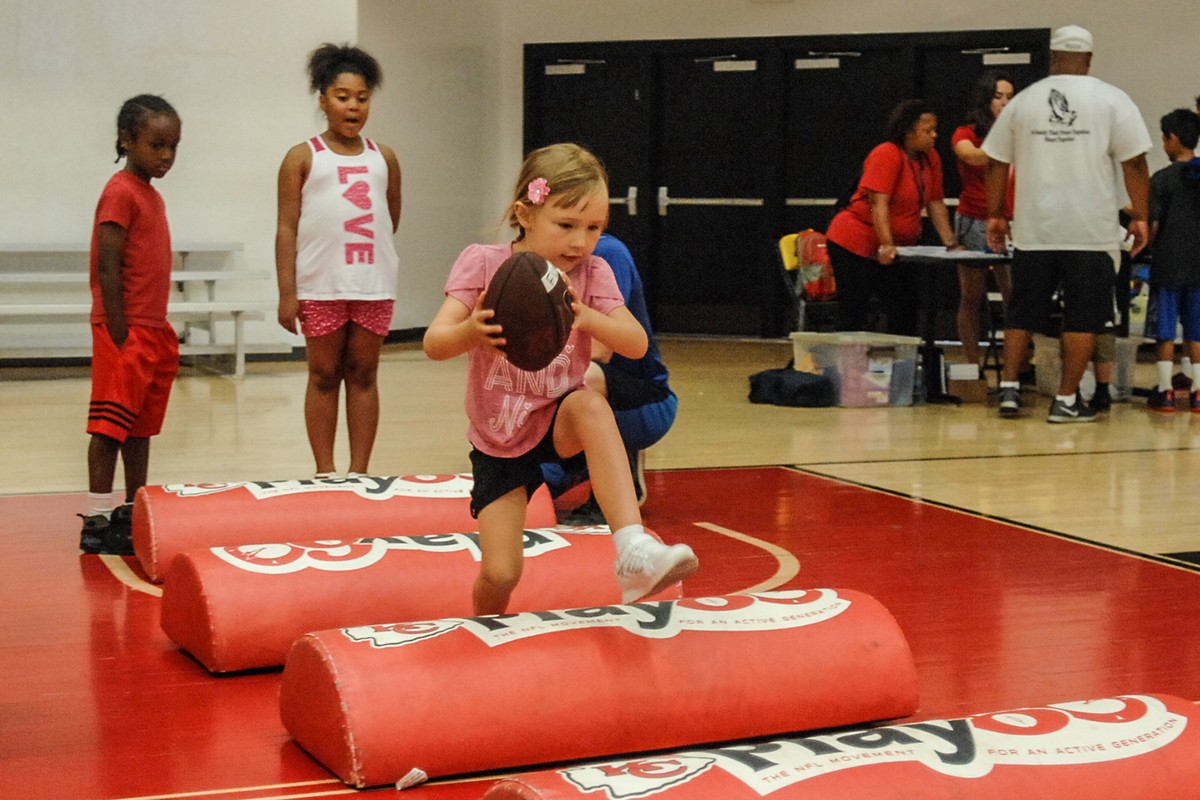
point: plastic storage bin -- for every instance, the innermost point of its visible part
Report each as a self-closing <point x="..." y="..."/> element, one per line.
<point x="866" y="369"/>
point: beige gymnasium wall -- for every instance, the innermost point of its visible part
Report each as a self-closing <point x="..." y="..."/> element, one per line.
<point x="234" y="69"/>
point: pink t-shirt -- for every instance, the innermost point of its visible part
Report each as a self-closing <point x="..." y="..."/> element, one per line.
<point x="509" y="409"/>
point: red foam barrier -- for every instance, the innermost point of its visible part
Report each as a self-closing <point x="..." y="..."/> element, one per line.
<point x="237" y="608"/>
<point x="1134" y="747"/>
<point x="400" y="703"/>
<point x="170" y="519"/>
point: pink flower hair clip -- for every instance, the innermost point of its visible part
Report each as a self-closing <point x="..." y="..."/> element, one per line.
<point x="539" y="190"/>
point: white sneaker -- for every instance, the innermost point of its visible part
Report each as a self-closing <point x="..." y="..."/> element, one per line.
<point x="648" y="566"/>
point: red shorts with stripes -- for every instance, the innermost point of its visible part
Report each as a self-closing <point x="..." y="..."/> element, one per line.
<point x="131" y="385"/>
<point x="323" y="317"/>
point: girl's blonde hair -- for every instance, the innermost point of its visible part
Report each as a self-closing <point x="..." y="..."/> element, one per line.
<point x="571" y="172"/>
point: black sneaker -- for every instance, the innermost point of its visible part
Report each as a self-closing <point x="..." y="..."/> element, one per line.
<point x="1180" y="381"/>
<point x="637" y="466"/>
<point x="588" y="514"/>
<point x="91" y="538"/>
<point x="1078" y="411"/>
<point x="1101" y="400"/>
<point x="1161" y="400"/>
<point x="118" y="540"/>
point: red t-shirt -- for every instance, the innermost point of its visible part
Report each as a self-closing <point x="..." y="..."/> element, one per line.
<point x="911" y="184"/>
<point x="972" y="200"/>
<point x="137" y="207"/>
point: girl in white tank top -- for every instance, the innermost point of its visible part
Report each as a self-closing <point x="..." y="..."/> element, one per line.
<point x="344" y="248"/>
<point x="339" y="205"/>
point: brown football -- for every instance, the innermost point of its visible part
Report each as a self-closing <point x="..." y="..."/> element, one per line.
<point x="533" y="306"/>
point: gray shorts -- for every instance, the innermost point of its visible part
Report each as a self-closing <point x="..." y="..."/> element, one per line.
<point x="971" y="233"/>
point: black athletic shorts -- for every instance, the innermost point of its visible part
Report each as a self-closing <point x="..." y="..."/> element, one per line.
<point x="1087" y="279"/>
<point x="495" y="476"/>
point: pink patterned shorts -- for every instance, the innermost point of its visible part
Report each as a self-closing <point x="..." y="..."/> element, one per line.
<point x="323" y="317"/>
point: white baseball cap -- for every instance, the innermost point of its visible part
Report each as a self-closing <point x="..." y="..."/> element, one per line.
<point x="1071" y="39"/>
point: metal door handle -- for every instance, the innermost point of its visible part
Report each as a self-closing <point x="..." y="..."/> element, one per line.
<point x="744" y="202"/>
<point x="810" y="201"/>
<point x="629" y="201"/>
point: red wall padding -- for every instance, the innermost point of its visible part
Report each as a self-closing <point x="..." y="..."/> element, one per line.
<point x="168" y="520"/>
<point x="1136" y="747"/>
<point x="390" y="703"/>
<point x="236" y="608"/>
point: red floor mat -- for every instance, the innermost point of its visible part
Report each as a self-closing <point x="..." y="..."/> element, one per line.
<point x="97" y="703"/>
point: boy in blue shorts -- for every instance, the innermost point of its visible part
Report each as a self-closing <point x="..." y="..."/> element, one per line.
<point x="1175" y="270"/>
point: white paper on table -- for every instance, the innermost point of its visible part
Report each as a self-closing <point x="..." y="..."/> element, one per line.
<point x="934" y="251"/>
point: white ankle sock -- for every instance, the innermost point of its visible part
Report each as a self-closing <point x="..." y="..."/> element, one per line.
<point x="100" y="504"/>
<point x="628" y="535"/>
<point x="1164" y="369"/>
<point x="1066" y="399"/>
<point x="1010" y="384"/>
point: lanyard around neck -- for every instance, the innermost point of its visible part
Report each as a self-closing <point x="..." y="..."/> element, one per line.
<point x="917" y="165"/>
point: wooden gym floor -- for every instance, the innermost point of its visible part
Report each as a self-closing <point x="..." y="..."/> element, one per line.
<point x="1027" y="563"/>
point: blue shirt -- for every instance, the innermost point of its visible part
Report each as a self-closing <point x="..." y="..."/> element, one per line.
<point x="649" y="367"/>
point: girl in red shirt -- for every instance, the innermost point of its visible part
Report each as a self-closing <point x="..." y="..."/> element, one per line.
<point x="989" y="96"/>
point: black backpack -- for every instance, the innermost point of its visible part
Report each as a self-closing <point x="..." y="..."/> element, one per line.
<point x="790" y="387"/>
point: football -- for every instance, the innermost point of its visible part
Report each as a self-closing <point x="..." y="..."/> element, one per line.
<point x="531" y="303"/>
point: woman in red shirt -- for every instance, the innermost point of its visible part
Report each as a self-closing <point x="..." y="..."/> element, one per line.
<point x="902" y="177"/>
<point x="988" y="98"/>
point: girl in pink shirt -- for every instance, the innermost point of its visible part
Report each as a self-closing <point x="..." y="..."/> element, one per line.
<point x="518" y="419"/>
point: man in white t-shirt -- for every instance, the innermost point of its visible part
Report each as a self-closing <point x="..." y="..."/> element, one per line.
<point x="1065" y="137"/>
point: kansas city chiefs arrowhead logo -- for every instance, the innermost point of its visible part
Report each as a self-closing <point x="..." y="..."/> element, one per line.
<point x="199" y="489"/>
<point x="638" y="778"/>
<point x="401" y="633"/>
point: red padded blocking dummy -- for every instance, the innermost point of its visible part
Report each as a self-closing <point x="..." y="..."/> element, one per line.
<point x="400" y="703"/>
<point x="236" y="608"/>
<point x="1122" y="748"/>
<point x="170" y="519"/>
